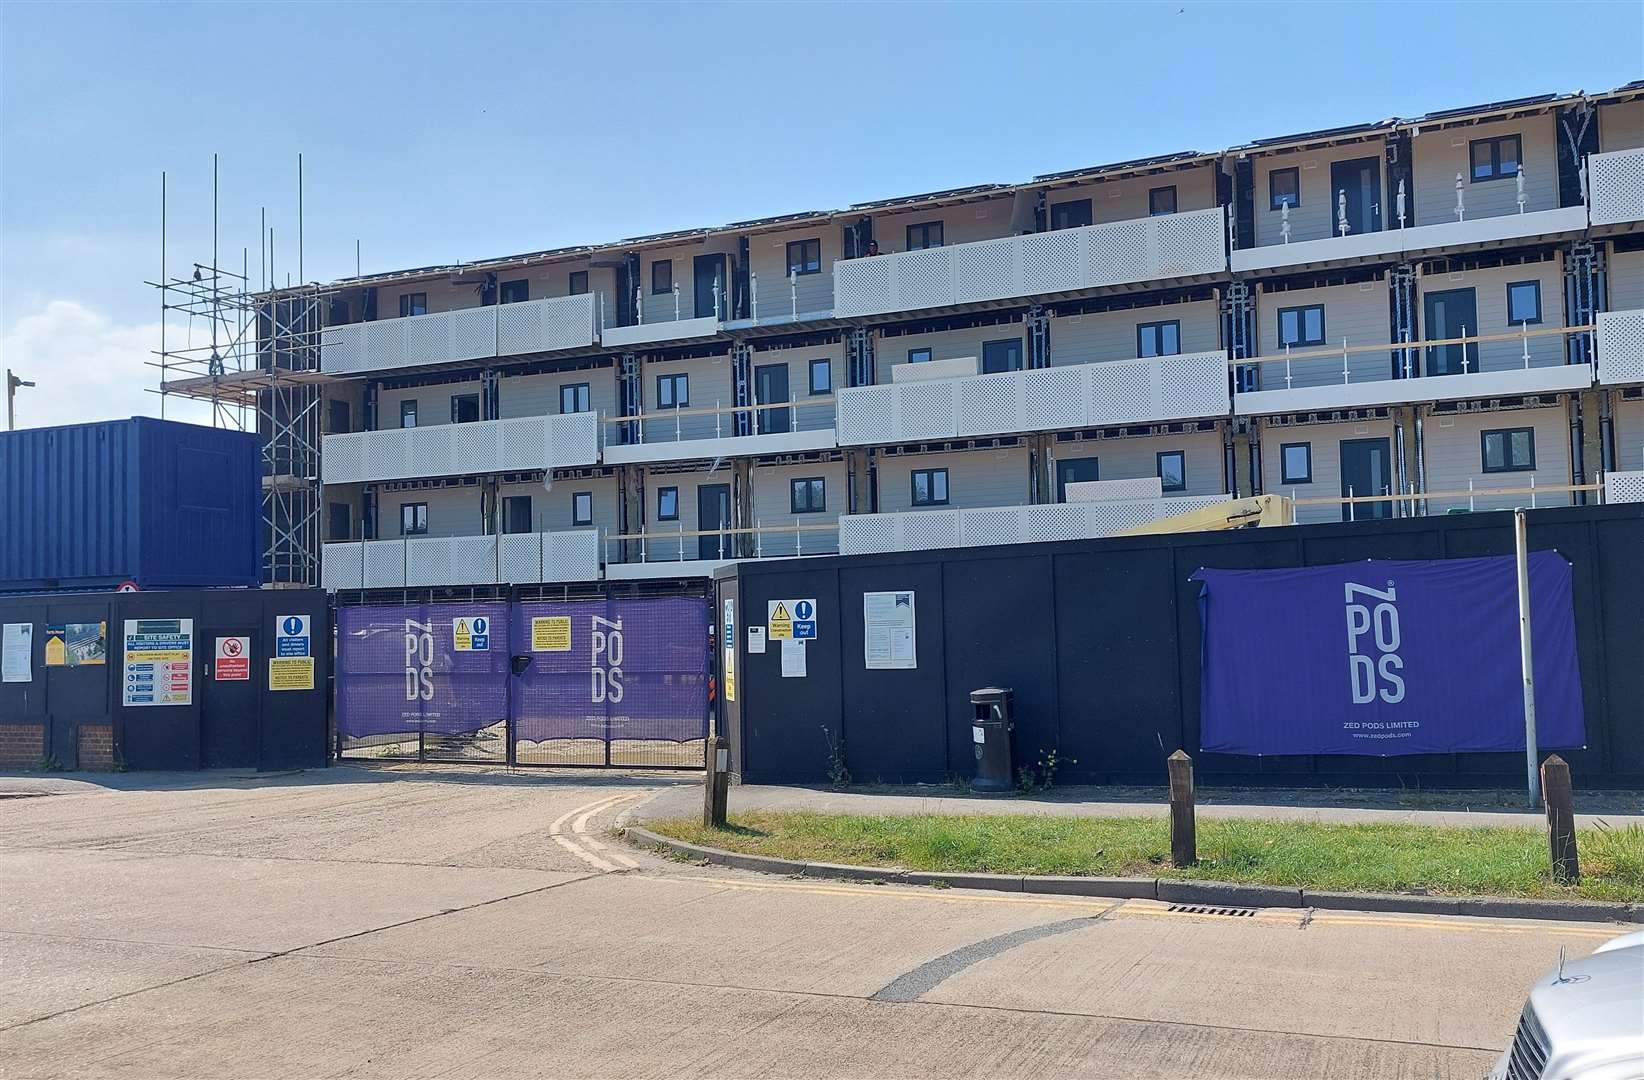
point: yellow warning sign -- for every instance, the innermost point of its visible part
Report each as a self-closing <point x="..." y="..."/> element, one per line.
<point x="551" y="633"/>
<point x="56" y="651"/>
<point x="781" y="621"/>
<point x="291" y="673"/>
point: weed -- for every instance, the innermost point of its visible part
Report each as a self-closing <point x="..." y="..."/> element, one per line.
<point x="839" y="774"/>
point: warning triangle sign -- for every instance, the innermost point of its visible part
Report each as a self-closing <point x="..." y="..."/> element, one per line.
<point x="781" y="611"/>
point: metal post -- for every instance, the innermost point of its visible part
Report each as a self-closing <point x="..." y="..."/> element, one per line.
<point x="1521" y="550"/>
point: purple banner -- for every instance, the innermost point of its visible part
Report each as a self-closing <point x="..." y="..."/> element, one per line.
<point x="1385" y="658"/>
<point x="422" y="667"/>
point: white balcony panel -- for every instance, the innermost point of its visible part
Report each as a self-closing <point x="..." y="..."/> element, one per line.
<point x="1483" y="384"/>
<point x="1622" y="487"/>
<point x="384" y="564"/>
<point x="1146" y="249"/>
<point x="920" y="530"/>
<point x="446" y="337"/>
<point x="1615" y="182"/>
<point x="644" y="571"/>
<point x="519" y="558"/>
<point x="342" y="566"/>
<point x="786" y="442"/>
<point x="1620" y="347"/>
<point x="1414" y="240"/>
<point x="451" y="560"/>
<point x="653" y="332"/>
<point x="523" y="444"/>
<point x="571" y="555"/>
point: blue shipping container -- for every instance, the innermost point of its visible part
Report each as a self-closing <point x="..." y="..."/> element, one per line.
<point x="88" y="506"/>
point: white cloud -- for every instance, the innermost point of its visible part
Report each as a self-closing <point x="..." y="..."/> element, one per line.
<point x="87" y="367"/>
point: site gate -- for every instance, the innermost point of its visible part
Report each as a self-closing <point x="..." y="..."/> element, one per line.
<point x="534" y="675"/>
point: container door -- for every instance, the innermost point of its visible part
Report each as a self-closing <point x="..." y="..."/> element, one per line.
<point x="710" y="283"/>
<point x="1451" y="314"/>
<point x="713" y="511"/>
<point x="1366" y="469"/>
<point x="771" y="387"/>
<point x="155" y="639"/>
<point x="231" y="694"/>
<point x="1360" y="181"/>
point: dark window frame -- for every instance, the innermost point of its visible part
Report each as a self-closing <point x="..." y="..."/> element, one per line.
<point x="1506" y="435"/>
<point x="1495" y="143"/>
<point x="679" y="384"/>
<point x="1152" y="211"/>
<point x="1158" y="468"/>
<point x="661" y="514"/>
<point x="1533" y="284"/>
<point x="667" y="286"/>
<point x="913" y="356"/>
<point x="812" y="485"/>
<point x="412" y="300"/>
<point x="825" y="364"/>
<point x="419" y="516"/>
<point x="520" y="285"/>
<point x="930" y="476"/>
<point x="473" y="399"/>
<point x="585" y="395"/>
<point x="1301" y="326"/>
<point x="577" y="517"/>
<point x="1021" y="354"/>
<point x="508" y="503"/>
<point x="1064" y="207"/>
<point x="803" y="266"/>
<point x="1285" y="476"/>
<point x="924" y="229"/>
<point x="408" y="405"/>
<point x="1275" y="199"/>
<point x="574" y="278"/>
<point x="1140" y="327"/>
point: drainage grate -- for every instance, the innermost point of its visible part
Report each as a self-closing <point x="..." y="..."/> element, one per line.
<point x="1200" y="909"/>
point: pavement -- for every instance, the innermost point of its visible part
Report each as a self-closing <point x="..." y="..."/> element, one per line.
<point x="428" y="922"/>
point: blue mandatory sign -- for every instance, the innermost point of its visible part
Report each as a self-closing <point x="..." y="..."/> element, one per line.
<point x="291" y="635"/>
<point x="482" y="634"/>
<point x="804" y="620"/>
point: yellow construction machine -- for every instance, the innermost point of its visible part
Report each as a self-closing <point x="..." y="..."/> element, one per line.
<point x="1250" y="513"/>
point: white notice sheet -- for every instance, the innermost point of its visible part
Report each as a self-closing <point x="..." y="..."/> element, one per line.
<point x="888" y="630"/>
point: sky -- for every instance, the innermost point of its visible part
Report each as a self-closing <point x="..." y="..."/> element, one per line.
<point x="434" y="133"/>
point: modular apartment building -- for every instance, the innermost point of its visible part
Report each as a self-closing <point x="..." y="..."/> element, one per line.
<point x="1414" y="316"/>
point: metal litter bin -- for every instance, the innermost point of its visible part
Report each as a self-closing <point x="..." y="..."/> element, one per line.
<point x="992" y="720"/>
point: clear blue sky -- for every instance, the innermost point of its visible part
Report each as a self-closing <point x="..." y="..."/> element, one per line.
<point x="436" y="132"/>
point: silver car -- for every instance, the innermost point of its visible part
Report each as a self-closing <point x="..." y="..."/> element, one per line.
<point x="1584" y="1019"/>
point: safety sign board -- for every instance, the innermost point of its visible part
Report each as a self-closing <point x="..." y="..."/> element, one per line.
<point x="291" y="673"/>
<point x="159" y="657"/>
<point x="291" y="635"/>
<point x="471" y="634"/>
<point x="730" y="649"/>
<point x="551" y="633"/>
<point x="791" y="620"/>
<point x="233" y="661"/>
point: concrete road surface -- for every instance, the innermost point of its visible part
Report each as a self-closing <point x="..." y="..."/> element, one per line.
<point x="367" y="922"/>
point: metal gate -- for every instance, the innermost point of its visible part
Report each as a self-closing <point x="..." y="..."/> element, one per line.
<point x="602" y="681"/>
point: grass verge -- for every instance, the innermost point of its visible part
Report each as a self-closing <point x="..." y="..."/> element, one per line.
<point x="1349" y="858"/>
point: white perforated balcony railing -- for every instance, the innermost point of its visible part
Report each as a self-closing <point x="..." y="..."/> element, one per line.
<point x="919" y="530"/>
<point x="1156" y="388"/>
<point x="523" y="444"/>
<point x="1624" y="487"/>
<point x="1066" y="260"/>
<point x="561" y="322"/>
<point x="1621" y="347"/>
<point x="509" y="559"/>
<point x="1615" y="185"/>
<point x="721" y="431"/>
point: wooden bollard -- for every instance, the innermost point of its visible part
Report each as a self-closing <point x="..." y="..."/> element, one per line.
<point x="716" y="782"/>
<point x="1560" y="802"/>
<point x="1183" y="841"/>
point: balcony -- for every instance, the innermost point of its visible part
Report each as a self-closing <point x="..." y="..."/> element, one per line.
<point x="1362" y="375"/>
<point x="919" y="530"/>
<point x="1624" y="487"/>
<point x="1620" y="347"/>
<point x="687" y="434"/>
<point x="523" y="444"/>
<point x="446" y="337"/>
<point x="1417" y="239"/>
<point x="509" y="559"/>
<point x="1066" y="260"/>
<point x="1116" y="392"/>
<point x="1615" y="185"/>
<point x="659" y="553"/>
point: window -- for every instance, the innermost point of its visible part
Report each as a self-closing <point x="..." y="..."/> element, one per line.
<point x="1523" y="302"/>
<point x="1494" y="159"/>
<point x="807" y="495"/>
<point x="1075" y="471"/>
<point x="1283" y="188"/>
<point x="1161" y="200"/>
<point x="673" y="391"/>
<point x="408" y="413"/>
<point x="464" y="408"/>
<point x="413" y="303"/>
<point x="662" y="276"/>
<point x="1159" y="338"/>
<point x="821" y="376"/>
<point x="1172" y="470"/>
<point x="1301" y="325"/>
<point x="578" y="283"/>
<point x="573" y="398"/>
<point x="667" y="504"/>
<point x="930" y="487"/>
<point x="582" y="508"/>
<point x="339" y="525"/>
<point x="1070" y="215"/>
<point x="928" y="235"/>
<point x="516" y="514"/>
<point x="1510" y="450"/>
<point x="1296" y="463"/>
<point x="1002" y="356"/>
<point x="413" y="519"/>
<point x="805" y="257"/>
<point x="516" y="292"/>
<point x="339" y="418"/>
<point x="918" y="356"/>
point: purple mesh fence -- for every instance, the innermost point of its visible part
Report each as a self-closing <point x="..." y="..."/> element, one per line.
<point x="399" y="668"/>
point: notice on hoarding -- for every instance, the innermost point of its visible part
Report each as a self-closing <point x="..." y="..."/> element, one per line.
<point x="291" y="673"/>
<point x="888" y="641"/>
<point x="76" y="644"/>
<point x="756" y="639"/>
<point x="291" y="635"/>
<point x="233" y="659"/>
<point x="551" y="633"/>
<point x="159" y="666"/>
<point x="471" y="634"/>
<point x="16" y="652"/>
<point x="730" y="649"/>
<point x="793" y="659"/>
<point x="791" y="620"/>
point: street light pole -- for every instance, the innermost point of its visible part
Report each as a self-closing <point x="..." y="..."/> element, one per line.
<point x="12" y="383"/>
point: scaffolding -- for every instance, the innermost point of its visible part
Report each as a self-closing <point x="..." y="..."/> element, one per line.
<point x="254" y="356"/>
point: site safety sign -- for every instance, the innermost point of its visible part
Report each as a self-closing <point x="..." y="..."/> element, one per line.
<point x="471" y="634"/>
<point x="233" y="659"/>
<point x="791" y="620"/>
<point x="291" y="635"/>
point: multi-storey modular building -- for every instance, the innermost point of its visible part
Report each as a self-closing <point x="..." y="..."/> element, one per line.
<point x="1416" y="316"/>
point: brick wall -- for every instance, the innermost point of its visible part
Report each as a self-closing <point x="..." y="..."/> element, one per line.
<point x="22" y="746"/>
<point x="97" y="747"/>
